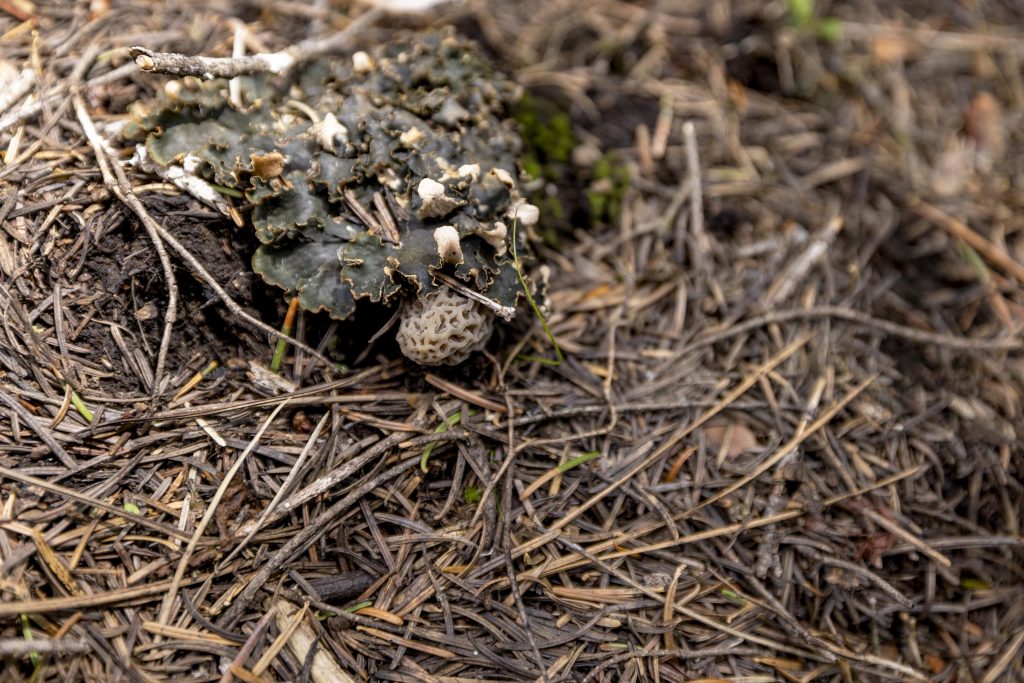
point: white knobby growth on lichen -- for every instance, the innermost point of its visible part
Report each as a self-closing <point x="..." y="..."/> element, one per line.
<point x="435" y="203"/>
<point x="495" y="236"/>
<point x="362" y="63"/>
<point x="173" y="89"/>
<point x="329" y="131"/>
<point x="470" y="171"/>
<point x="505" y="177"/>
<point x="429" y="189"/>
<point x="448" y="246"/>
<point x="525" y="214"/>
<point x="411" y="137"/>
<point x="443" y="328"/>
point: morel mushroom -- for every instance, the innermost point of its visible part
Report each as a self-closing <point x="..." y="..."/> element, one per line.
<point x="443" y="328"/>
<point x="367" y="178"/>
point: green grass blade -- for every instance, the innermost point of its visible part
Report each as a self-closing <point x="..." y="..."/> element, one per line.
<point x="577" y="461"/>
<point x="536" y="310"/>
<point x="443" y="427"/>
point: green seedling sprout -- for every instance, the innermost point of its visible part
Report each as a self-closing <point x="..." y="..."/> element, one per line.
<point x="577" y="461"/>
<point x="358" y="606"/>
<point x="447" y="424"/>
<point x="472" y="495"/>
<point x="34" y="656"/>
<point x="80" y="406"/>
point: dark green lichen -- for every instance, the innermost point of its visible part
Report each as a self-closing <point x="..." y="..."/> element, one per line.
<point x="323" y="156"/>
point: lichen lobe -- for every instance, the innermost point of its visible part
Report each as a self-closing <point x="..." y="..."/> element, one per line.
<point x="407" y="141"/>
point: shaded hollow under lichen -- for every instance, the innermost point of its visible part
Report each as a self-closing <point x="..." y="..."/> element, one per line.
<point x="350" y="165"/>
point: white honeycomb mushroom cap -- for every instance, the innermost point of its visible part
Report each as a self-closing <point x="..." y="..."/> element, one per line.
<point x="443" y="328"/>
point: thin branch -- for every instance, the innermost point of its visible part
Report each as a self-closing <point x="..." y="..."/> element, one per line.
<point x="208" y="68"/>
<point x="506" y="313"/>
<point x="176" y="64"/>
<point x="992" y="252"/>
<point x="797" y="269"/>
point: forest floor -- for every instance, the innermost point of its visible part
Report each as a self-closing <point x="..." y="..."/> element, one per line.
<point x="786" y="251"/>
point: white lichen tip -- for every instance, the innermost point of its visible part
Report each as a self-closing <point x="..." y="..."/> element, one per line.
<point x="434" y="202"/>
<point x="362" y="63"/>
<point x="449" y="248"/>
<point x="526" y="214"/>
<point x="471" y="171"/>
<point x="429" y="189"/>
<point x="496" y="238"/>
<point x="411" y="136"/>
<point x="329" y="132"/>
<point x="505" y="177"/>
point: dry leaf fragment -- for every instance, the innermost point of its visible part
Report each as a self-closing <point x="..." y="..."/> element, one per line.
<point x="267" y="166"/>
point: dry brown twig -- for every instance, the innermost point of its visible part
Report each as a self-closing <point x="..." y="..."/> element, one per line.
<point x="990" y="251"/>
<point x="176" y="64"/>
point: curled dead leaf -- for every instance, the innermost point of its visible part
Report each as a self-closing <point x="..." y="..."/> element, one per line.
<point x="267" y="166"/>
